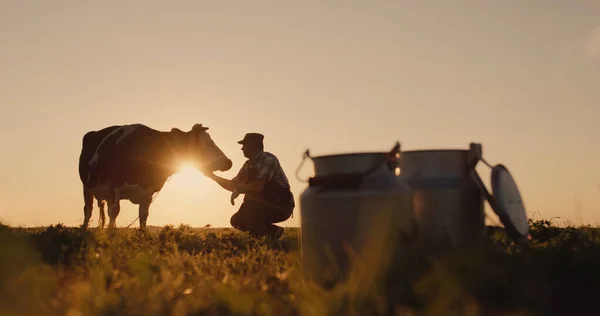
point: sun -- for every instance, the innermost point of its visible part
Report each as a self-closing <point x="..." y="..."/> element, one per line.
<point x="187" y="177"/>
<point x="185" y="194"/>
<point x="185" y="168"/>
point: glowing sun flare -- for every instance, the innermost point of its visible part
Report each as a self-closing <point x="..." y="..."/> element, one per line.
<point x="186" y="168"/>
<point x="187" y="176"/>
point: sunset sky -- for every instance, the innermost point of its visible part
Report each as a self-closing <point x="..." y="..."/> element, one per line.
<point x="520" y="77"/>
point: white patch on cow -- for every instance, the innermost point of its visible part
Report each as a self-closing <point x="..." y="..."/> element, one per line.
<point x="101" y="192"/>
<point x="127" y="129"/>
<point x="132" y="192"/>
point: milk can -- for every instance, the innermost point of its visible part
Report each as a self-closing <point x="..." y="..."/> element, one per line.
<point x="449" y="196"/>
<point x="352" y="211"/>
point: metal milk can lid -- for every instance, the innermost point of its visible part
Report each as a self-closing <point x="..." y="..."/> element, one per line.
<point x="507" y="203"/>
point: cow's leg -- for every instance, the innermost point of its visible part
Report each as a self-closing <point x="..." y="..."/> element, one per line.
<point x="144" y="209"/>
<point x="114" y="207"/>
<point x="102" y="219"/>
<point x="113" y="211"/>
<point x="88" y="199"/>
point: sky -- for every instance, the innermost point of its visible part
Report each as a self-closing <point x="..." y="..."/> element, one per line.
<point x="520" y="77"/>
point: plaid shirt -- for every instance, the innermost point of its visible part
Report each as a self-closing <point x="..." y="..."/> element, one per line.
<point x="268" y="168"/>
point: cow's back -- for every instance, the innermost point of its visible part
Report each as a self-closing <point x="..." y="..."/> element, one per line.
<point x="119" y="154"/>
<point x="134" y="154"/>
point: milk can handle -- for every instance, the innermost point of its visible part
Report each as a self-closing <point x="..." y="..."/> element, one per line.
<point x="304" y="156"/>
<point x="482" y="187"/>
<point x="475" y="155"/>
<point x="391" y="157"/>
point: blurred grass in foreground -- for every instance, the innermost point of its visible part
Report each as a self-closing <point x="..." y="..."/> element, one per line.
<point x="185" y="271"/>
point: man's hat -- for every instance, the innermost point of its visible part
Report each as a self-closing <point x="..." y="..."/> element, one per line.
<point x="250" y="138"/>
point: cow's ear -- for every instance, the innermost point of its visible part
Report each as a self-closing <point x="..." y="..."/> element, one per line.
<point x="199" y="127"/>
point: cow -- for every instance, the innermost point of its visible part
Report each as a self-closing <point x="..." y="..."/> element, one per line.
<point x="133" y="162"/>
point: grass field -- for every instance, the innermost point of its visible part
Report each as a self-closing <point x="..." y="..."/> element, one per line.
<point x="184" y="271"/>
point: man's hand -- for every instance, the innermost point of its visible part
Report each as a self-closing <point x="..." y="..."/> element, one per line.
<point x="234" y="195"/>
<point x="229" y="185"/>
<point x="207" y="173"/>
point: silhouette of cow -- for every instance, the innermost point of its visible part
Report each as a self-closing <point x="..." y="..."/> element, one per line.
<point x="132" y="162"/>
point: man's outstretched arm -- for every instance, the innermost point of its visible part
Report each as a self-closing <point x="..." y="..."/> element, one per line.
<point x="226" y="184"/>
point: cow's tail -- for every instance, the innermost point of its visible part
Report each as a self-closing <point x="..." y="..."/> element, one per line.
<point x="87" y="138"/>
<point x="87" y="151"/>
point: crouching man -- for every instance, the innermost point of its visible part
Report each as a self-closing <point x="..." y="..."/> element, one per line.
<point x="266" y="190"/>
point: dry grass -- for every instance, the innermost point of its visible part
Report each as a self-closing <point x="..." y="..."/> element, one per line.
<point x="185" y="271"/>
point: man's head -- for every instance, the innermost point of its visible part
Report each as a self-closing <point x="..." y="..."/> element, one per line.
<point x="252" y="144"/>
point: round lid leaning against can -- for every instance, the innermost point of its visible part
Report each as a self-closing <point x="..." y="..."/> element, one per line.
<point x="508" y="204"/>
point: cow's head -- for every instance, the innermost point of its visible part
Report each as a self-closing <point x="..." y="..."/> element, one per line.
<point x="197" y="146"/>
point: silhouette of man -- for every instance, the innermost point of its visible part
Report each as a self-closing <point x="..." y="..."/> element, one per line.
<point x="267" y="195"/>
